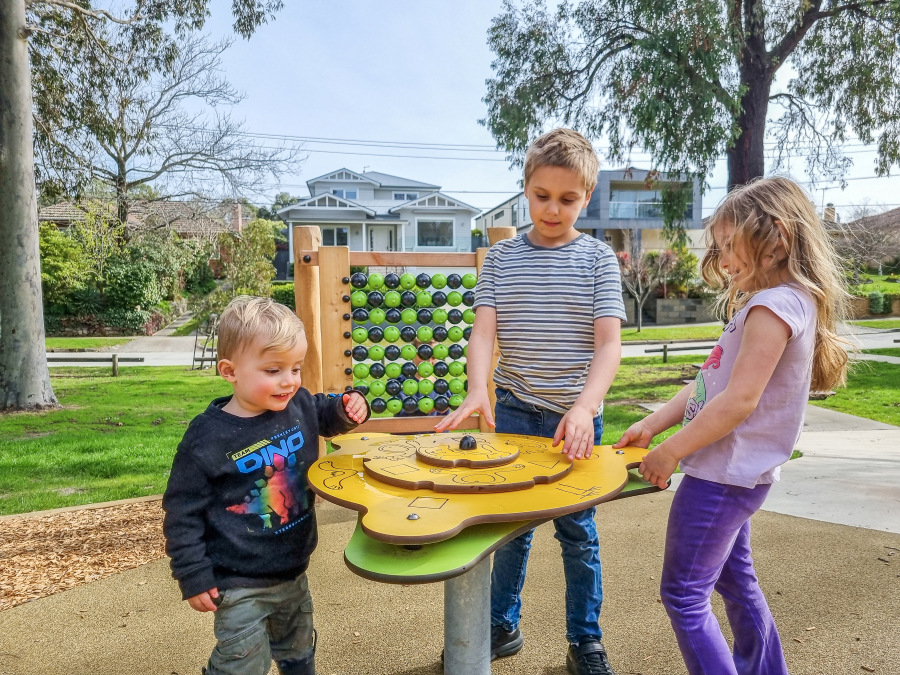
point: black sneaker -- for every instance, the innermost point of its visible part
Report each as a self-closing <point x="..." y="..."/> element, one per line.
<point x="588" y="658"/>
<point x="503" y="643"/>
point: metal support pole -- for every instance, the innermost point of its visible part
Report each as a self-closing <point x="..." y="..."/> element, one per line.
<point x="467" y="622"/>
<point x="665" y="353"/>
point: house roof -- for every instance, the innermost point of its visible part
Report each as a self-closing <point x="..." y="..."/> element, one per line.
<point x="434" y="200"/>
<point x="327" y="201"/>
<point x="376" y="178"/>
<point x="888" y="218"/>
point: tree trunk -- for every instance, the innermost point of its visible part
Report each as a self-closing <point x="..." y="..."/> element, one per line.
<point x="24" y="377"/>
<point x="746" y="159"/>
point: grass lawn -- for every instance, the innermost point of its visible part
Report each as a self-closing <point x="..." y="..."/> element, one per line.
<point x="673" y="333"/>
<point x="883" y="323"/>
<point x="885" y="351"/>
<point x="85" y="342"/>
<point x="872" y="391"/>
<point x="188" y="328"/>
<point x="878" y="283"/>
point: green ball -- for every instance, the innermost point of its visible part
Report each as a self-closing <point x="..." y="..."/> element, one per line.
<point x="468" y="280"/>
<point x="376" y="388"/>
<point x="456" y="401"/>
<point x="468" y="316"/>
<point x="361" y="370"/>
<point x="423" y="299"/>
<point x="408" y="352"/>
<point x="426" y="387"/>
<point x="408" y="316"/>
<point x="425" y="370"/>
<point x="376" y="281"/>
<point x="395" y="405"/>
<point x="410" y="387"/>
<point x="360" y="383"/>
<point x="439" y="316"/>
<point x="392" y="370"/>
<point x="456" y="386"/>
<point x="466" y="350"/>
<point x="424" y="334"/>
<point x="376" y="316"/>
<point x="358" y="299"/>
<point x="455" y="334"/>
<point x="407" y="281"/>
<point x="426" y="405"/>
<point x="391" y="333"/>
<point x="440" y="352"/>
<point x="438" y="281"/>
<point x="454" y="298"/>
<point x="360" y="335"/>
<point x="456" y="369"/>
<point x="376" y="352"/>
<point x="392" y="299"/>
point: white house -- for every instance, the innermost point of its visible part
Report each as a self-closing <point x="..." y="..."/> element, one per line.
<point x="511" y="213"/>
<point x="372" y="211"/>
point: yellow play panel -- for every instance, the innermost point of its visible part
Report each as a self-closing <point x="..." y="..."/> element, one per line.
<point x="427" y="488"/>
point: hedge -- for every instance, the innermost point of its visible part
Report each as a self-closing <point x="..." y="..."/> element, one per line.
<point x="284" y="294"/>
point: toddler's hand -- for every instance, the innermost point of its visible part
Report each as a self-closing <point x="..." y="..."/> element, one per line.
<point x="476" y="401"/>
<point x="658" y="466"/>
<point x="355" y="406"/>
<point x="638" y="435"/>
<point x="204" y="601"/>
<point x="577" y="427"/>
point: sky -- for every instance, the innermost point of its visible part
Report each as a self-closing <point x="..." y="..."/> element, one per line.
<point x="398" y="73"/>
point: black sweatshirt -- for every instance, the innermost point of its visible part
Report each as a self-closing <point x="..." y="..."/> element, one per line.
<point x="238" y="507"/>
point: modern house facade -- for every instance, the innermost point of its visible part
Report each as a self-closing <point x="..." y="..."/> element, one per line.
<point x="511" y="213"/>
<point x="372" y="211"/>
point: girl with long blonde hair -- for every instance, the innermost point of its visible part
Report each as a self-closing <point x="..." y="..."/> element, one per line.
<point x="770" y="255"/>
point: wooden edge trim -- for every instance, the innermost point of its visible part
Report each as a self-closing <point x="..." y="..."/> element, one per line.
<point x="409" y="425"/>
<point x="83" y="507"/>
<point x="391" y="259"/>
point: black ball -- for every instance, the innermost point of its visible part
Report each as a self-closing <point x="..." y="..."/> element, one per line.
<point x="455" y="351"/>
<point x="392" y="280"/>
<point x="376" y="334"/>
<point x="467" y="332"/>
<point x="379" y="405"/>
<point x="392" y="352"/>
<point x="454" y="281"/>
<point x="454" y="316"/>
<point x="360" y="315"/>
<point x="376" y="370"/>
<point x="423" y="316"/>
<point x="407" y="298"/>
<point x="362" y="389"/>
<point x="407" y="333"/>
<point x="359" y="280"/>
<point x="441" y="369"/>
<point x="441" y="403"/>
<point x="376" y="299"/>
<point x="466" y="385"/>
<point x="440" y="385"/>
<point x="439" y="298"/>
<point x="410" y="404"/>
<point x="467" y="443"/>
<point x="393" y="387"/>
<point x="425" y="352"/>
<point x="408" y="369"/>
<point x="392" y="315"/>
<point x="469" y="298"/>
<point x="440" y="333"/>
<point x="423" y="280"/>
<point x="360" y="353"/>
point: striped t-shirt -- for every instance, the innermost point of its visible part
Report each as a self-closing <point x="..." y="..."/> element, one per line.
<point x="546" y="301"/>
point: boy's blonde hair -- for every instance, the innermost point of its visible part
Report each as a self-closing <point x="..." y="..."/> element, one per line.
<point x="772" y="210"/>
<point x="566" y="148"/>
<point x="247" y="317"/>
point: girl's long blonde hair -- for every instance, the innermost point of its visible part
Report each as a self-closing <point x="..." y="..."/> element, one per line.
<point x="763" y="213"/>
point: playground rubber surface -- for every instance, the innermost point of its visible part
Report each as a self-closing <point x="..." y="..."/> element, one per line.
<point x="834" y="591"/>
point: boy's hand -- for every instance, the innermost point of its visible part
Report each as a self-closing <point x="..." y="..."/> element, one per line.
<point x="577" y="427"/>
<point x="204" y="601"/>
<point x="638" y="435"/>
<point x="355" y="406"/>
<point x="476" y="401"/>
<point x="658" y="466"/>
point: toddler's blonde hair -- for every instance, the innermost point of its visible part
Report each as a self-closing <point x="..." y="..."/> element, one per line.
<point x="246" y="317"/>
<point x="772" y="210"/>
<point x="565" y="148"/>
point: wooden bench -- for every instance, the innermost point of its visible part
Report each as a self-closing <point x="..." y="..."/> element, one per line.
<point x="115" y="359"/>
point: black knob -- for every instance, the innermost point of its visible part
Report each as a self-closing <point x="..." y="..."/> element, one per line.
<point x="346" y="333"/>
<point x="346" y="317"/>
<point x="306" y="258"/>
<point x="345" y="298"/>
<point x="467" y="443"/>
<point x="348" y="388"/>
<point x="348" y="371"/>
<point x="347" y="352"/>
<point x="345" y="280"/>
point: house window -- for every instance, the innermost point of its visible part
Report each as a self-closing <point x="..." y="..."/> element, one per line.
<point x="515" y="216"/>
<point x="345" y="194"/>
<point x="434" y="233"/>
<point x="498" y="216"/>
<point x="405" y="196"/>
<point x="334" y="236"/>
<point x="639" y="204"/>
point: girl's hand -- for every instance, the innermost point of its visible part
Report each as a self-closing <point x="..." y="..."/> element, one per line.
<point x="638" y="435"/>
<point x="577" y="427"/>
<point x="476" y="401"/>
<point x="355" y="406"/>
<point x="658" y="466"/>
<point x="204" y="601"/>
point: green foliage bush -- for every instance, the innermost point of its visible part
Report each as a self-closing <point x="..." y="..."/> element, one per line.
<point x="199" y="279"/>
<point x="284" y="294"/>
<point x="64" y="266"/>
<point x="876" y="302"/>
<point x="130" y="285"/>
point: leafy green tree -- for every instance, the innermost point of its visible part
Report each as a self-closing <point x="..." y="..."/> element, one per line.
<point x="131" y="286"/>
<point x="248" y="257"/>
<point x="281" y="200"/>
<point x="100" y="236"/>
<point x="64" y="266"/>
<point x="692" y="80"/>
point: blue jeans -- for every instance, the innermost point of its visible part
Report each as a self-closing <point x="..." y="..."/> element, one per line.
<point x="576" y="533"/>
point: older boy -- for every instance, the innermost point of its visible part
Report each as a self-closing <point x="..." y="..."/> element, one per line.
<point x="239" y="522"/>
<point x="553" y="299"/>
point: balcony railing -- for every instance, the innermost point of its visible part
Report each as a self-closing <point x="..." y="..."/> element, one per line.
<point x="642" y="211"/>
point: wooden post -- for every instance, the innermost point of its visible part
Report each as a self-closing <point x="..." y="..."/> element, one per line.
<point x="496" y="234"/>
<point x="334" y="287"/>
<point x="115" y="365"/>
<point x="306" y="300"/>
<point x="665" y="353"/>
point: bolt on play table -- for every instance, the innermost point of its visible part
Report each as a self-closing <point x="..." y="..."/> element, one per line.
<point x="434" y="507"/>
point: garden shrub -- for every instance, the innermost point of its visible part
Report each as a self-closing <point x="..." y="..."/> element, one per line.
<point x="130" y="285"/>
<point x="284" y="294"/>
<point x="64" y="267"/>
<point x="199" y="279"/>
<point x="876" y="302"/>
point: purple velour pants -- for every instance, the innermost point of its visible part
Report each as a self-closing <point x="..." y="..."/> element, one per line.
<point x="708" y="547"/>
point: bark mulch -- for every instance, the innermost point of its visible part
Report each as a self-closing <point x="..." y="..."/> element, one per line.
<point x="43" y="555"/>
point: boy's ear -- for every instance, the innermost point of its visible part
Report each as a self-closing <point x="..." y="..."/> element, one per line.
<point x="587" y="197"/>
<point x="226" y="370"/>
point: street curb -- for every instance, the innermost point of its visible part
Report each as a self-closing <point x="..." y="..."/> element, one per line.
<point x="83" y="507"/>
<point x="626" y="343"/>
